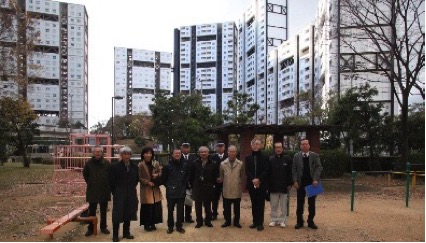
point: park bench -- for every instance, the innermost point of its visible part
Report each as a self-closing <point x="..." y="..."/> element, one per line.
<point x="73" y="216"/>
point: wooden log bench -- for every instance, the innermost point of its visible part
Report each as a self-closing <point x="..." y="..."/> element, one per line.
<point x="73" y="216"/>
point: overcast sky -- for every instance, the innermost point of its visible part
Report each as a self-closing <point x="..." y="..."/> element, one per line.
<point x="149" y="25"/>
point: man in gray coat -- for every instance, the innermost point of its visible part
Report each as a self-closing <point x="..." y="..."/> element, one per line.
<point x="306" y="170"/>
<point x="95" y="175"/>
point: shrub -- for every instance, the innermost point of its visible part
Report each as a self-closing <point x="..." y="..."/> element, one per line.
<point x="334" y="163"/>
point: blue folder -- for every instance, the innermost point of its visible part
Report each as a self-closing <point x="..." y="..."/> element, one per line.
<point x="313" y="191"/>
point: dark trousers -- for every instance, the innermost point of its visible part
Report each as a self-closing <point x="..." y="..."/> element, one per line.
<point x="257" y="198"/>
<point x="301" y="195"/>
<point x="207" y="210"/>
<point x="116" y="227"/>
<point x="92" y="212"/>
<point x="188" y="211"/>
<point x="215" y="202"/>
<point x="227" y="210"/>
<point x="171" y="203"/>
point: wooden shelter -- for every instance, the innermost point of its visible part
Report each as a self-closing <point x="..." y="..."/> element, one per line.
<point x="248" y="131"/>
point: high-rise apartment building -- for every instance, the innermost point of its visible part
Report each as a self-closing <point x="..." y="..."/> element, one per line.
<point x="261" y="29"/>
<point x="343" y="49"/>
<point x="139" y="76"/>
<point x="57" y="66"/>
<point x="204" y="62"/>
<point x="291" y="90"/>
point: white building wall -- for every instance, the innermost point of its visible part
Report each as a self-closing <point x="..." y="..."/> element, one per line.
<point x="261" y="29"/>
<point x="328" y="73"/>
<point x="45" y="66"/>
<point x="144" y="70"/>
<point x="216" y="85"/>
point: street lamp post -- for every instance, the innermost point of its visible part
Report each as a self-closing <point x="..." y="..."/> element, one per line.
<point x="112" y="117"/>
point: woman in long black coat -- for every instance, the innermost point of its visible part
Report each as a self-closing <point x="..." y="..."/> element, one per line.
<point x="123" y="180"/>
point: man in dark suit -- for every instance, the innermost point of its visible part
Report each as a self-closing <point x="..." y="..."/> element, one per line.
<point x="204" y="176"/>
<point x="188" y="161"/>
<point x="256" y="165"/>
<point x="217" y="158"/>
<point x="306" y="170"/>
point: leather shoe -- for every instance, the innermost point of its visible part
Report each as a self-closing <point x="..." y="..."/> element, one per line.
<point x="169" y="230"/>
<point x="115" y="239"/>
<point x="238" y="225"/>
<point x="89" y="233"/>
<point x="129" y="236"/>
<point x="189" y="221"/>
<point x="260" y="228"/>
<point x="105" y="231"/>
<point x="198" y="225"/>
<point x="298" y="226"/>
<point x="312" y="226"/>
<point x="148" y="228"/>
<point x="214" y="217"/>
<point x="225" y="225"/>
<point x="209" y="224"/>
<point x="180" y="230"/>
<point x="252" y="226"/>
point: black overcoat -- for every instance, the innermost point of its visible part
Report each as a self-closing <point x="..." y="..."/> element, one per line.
<point x="95" y="173"/>
<point x="204" y="180"/>
<point x="123" y="188"/>
<point x="257" y="166"/>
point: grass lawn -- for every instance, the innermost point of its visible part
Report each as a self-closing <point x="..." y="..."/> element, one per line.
<point x="15" y="173"/>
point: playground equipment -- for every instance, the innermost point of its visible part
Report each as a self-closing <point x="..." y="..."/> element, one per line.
<point x="69" y="161"/>
<point x="409" y="176"/>
<point x="74" y="216"/>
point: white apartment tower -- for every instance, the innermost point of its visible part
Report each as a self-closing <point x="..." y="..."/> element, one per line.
<point x="290" y="87"/>
<point x="138" y="76"/>
<point x="261" y="29"/>
<point x="204" y="63"/>
<point x="57" y="68"/>
<point x="339" y="66"/>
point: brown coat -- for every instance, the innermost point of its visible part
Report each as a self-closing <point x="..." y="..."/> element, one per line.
<point x="149" y="194"/>
<point x="232" y="178"/>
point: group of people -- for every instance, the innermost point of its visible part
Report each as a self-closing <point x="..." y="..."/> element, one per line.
<point x="200" y="181"/>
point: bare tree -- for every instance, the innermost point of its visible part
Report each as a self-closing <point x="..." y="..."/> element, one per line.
<point x="393" y="33"/>
<point x="18" y="39"/>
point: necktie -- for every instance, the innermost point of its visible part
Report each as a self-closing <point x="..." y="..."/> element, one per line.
<point x="127" y="167"/>
<point x="305" y="155"/>
<point x="220" y="156"/>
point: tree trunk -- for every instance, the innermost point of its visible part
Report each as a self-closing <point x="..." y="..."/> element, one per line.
<point x="26" y="160"/>
<point x="404" y="129"/>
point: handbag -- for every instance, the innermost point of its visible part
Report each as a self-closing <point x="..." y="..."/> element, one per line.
<point x="188" y="198"/>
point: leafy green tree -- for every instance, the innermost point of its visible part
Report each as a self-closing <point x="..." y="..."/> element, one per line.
<point x="416" y="122"/>
<point x="360" y="120"/>
<point x="19" y="121"/>
<point x="241" y="109"/>
<point x="182" y="118"/>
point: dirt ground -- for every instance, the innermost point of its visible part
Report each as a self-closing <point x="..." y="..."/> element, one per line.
<point x="379" y="214"/>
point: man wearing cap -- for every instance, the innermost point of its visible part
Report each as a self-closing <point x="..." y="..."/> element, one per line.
<point x="188" y="161"/>
<point x="217" y="158"/>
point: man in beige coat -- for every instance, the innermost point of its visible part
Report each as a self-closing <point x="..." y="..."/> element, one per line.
<point x="231" y="175"/>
